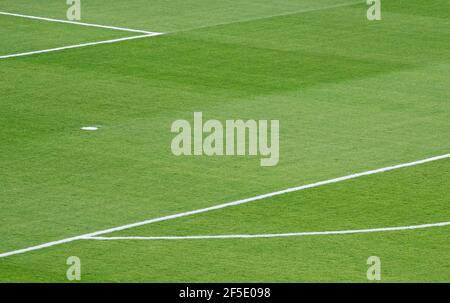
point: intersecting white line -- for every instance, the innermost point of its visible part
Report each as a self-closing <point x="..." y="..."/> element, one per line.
<point x="299" y="234"/>
<point x="150" y="34"/>
<point x="221" y="206"/>
<point x="76" y="23"/>
<point x="300" y="11"/>
<point x="146" y="34"/>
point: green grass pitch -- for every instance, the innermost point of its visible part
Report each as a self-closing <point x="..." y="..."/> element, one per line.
<point x="351" y="95"/>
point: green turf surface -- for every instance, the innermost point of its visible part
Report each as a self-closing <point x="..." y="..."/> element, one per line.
<point x="350" y="94"/>
<point x="169" y="16"/>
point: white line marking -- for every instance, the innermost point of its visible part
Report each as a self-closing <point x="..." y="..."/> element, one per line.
<point x="76" y="23"/>
<point x="313" y="233"/>
<point x="139" y="31"/>
<point x="220" y="206"/>
<point x="78" y="46"/>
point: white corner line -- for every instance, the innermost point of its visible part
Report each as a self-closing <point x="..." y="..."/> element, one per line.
<point x="220" y="206"/>
<point x="299" y="234"/>
<point x="78" y="46"/>
<point x="75" y="23"/>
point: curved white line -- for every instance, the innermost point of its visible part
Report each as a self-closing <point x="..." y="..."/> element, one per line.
<point x="316" y="233"/>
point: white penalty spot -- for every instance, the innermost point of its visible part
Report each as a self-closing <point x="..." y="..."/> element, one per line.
<point x="89" y="128"/>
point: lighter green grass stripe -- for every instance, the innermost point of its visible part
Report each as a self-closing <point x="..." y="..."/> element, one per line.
<point x="147" y="33"/>
<point x="302" y="11"/>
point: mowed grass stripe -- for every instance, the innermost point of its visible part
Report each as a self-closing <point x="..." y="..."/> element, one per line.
<point x="373" y="113"/>
<point x="136" y="97"/>
<point x="170" y="16"/>
<point x="337" y="199"/>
